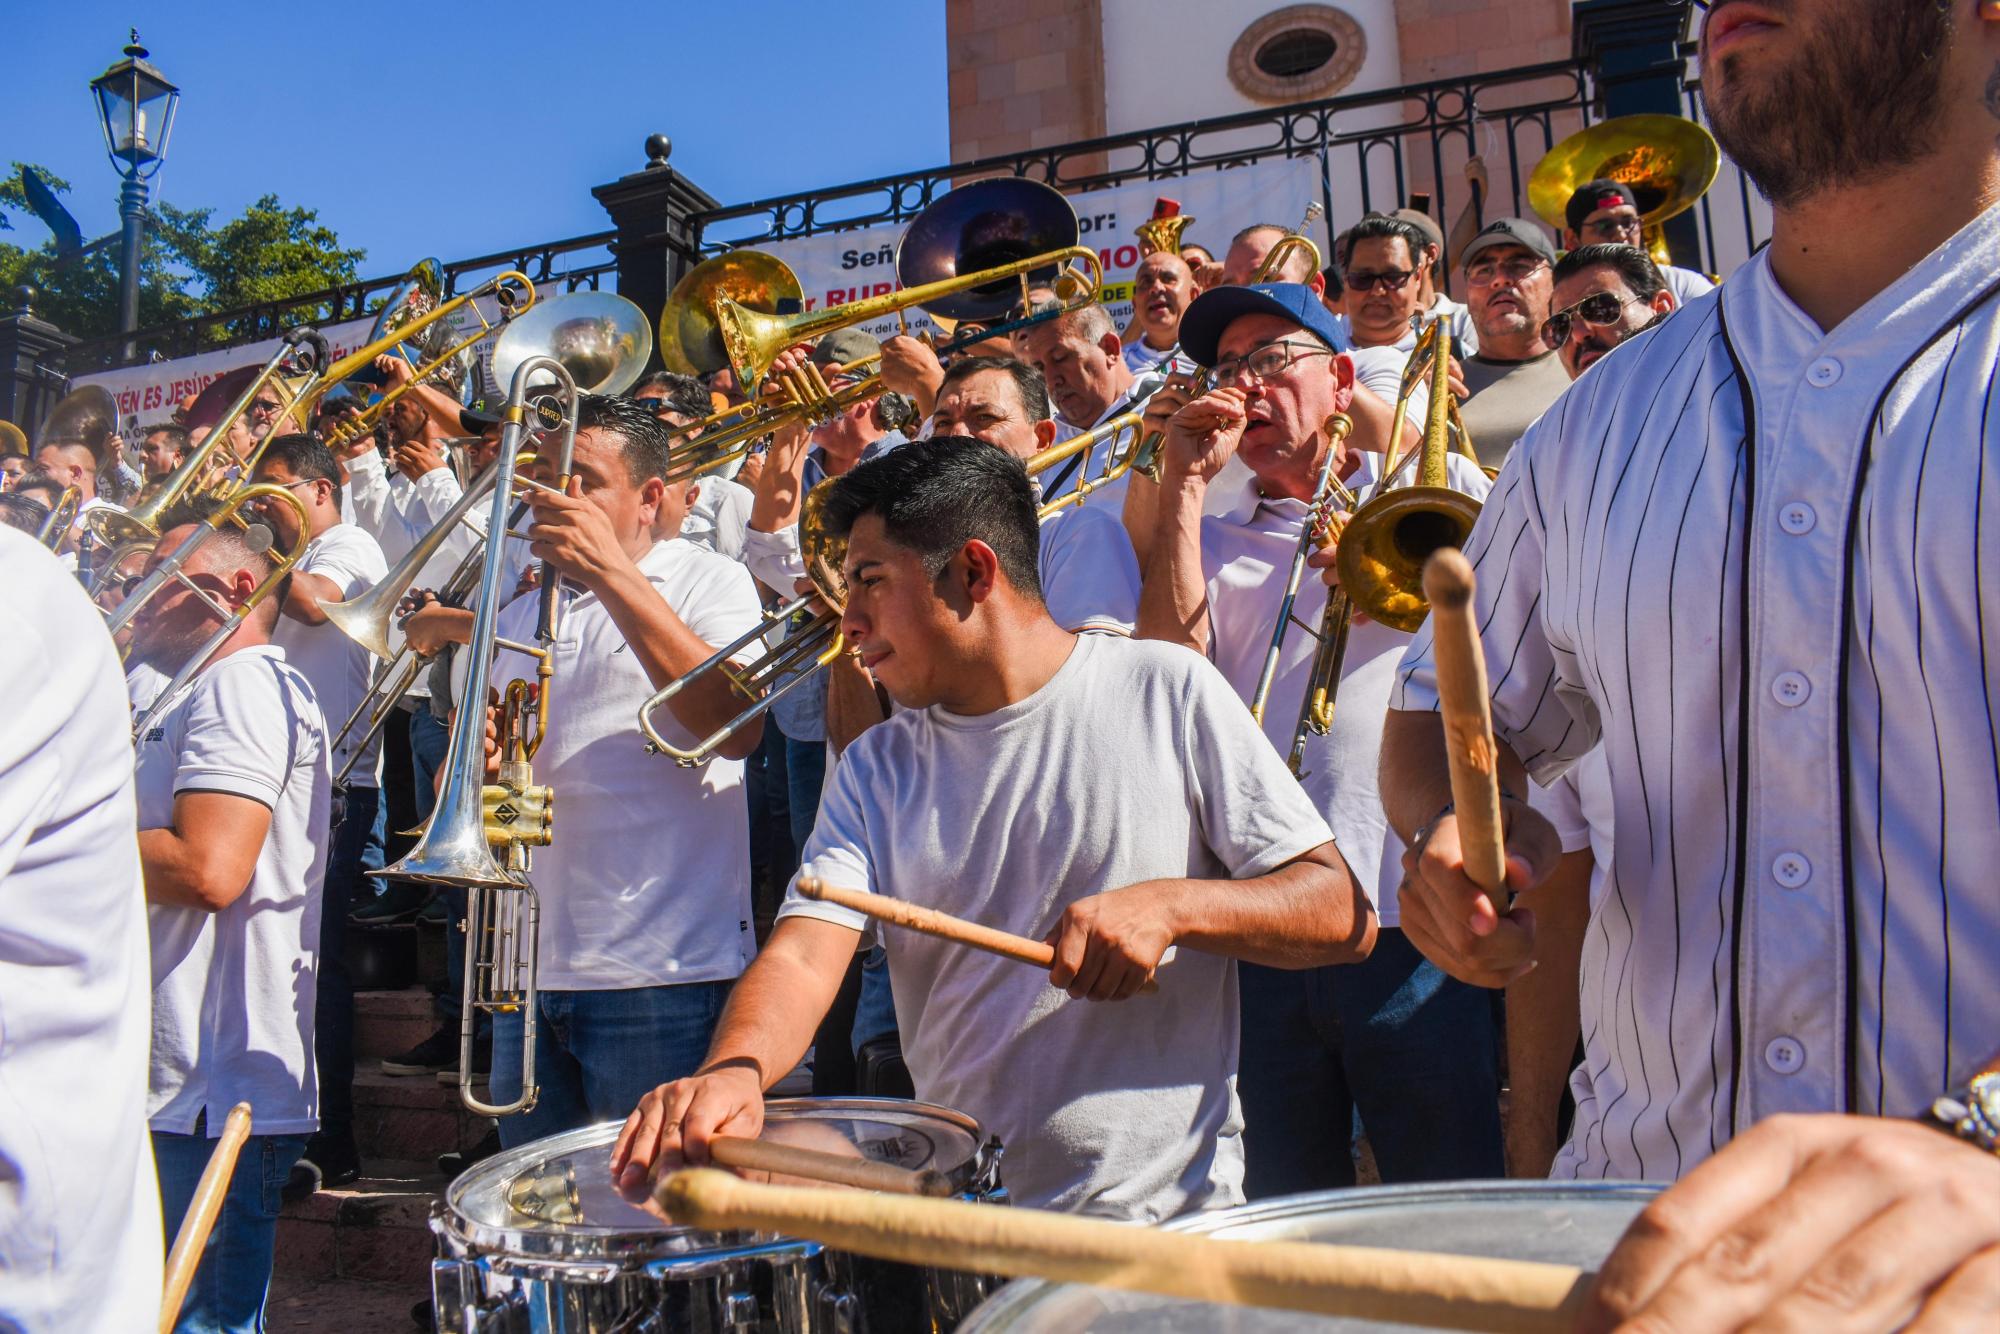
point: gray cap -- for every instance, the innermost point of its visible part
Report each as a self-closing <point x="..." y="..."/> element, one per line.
<point x="1509" y="231"/>
<point x="843" y="346"/>
<point x="1424" y="223"/>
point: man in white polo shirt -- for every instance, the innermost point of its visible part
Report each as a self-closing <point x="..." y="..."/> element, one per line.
<point x="1108" y="796"/>
<point x="1410" y="1048"/>
<point x="234" y="793"/>
<point x="342" y="561"/>
<point x="79" y="1220"/>
<point x="645" y="890"/>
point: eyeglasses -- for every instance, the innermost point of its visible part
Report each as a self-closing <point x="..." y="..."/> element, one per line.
<point x="1612" y="228"/>
<point x="1513" y="270"/>
<point x="264" y="407"/>
<point x="1395" y="280"/>
<point x="1266" y="362"/>
<point x="1597" y="310"/>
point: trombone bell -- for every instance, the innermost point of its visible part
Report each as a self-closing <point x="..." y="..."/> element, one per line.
<point x="1384" y="546"/>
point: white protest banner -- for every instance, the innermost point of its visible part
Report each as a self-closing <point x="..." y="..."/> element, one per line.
<point x="839" y="267"/>
<point x="148" y="394"/>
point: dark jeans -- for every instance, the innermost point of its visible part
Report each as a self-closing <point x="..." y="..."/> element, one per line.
<point x="356" y="850"/>
<point x="235" y="1274"/>
<point x="773" y="857"/>
<point x="598" y="1052"/>
<point x="429" y="740"/>
<point x="805" y="772"/>
<point x="1412" y="1050"/>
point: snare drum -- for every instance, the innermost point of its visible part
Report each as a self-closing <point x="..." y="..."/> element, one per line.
<point x="1554" y="1222"/>
<point x="538" y="1239"/>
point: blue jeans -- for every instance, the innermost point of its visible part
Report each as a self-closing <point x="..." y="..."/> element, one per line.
<point x="356" y="850"/>
<point x="429" y="740"/>
<point x="875" y="1011"/>
<point x="235" y="1274"/>
<point x="1412" y="1050"/>
<point x="598" y="1052"/>
<point x="805" y="774"/>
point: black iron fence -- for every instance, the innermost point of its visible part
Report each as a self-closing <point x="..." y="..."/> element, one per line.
<point x="1373" y="150"/>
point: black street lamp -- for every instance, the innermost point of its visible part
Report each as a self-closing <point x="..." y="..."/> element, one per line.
<point x="135" y="109"/>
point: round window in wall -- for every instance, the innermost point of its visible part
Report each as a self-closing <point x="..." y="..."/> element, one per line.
<point x="1296" y="53"/>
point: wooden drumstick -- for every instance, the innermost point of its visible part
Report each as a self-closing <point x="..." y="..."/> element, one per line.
<point x="944" y="926"/>
<point x="1367" y="1283"/>
<point x="763" y="1155"/>
<point x="209" y="1191"/>
<point x="1468" y="721"/>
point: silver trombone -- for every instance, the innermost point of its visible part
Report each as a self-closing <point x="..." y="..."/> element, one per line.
<point x="474" y="819"/>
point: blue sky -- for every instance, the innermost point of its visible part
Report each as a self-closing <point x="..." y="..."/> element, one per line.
<point x="320" y="104"/>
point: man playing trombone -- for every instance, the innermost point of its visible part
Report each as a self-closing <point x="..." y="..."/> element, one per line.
<point x="1410" y="1048"/>
<point x="644" y="890"/>
<point x="341" y="561"/>
<point x="1108" y="796"/>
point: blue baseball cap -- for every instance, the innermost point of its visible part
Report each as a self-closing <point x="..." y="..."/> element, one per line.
<point x="1216" y="309"/>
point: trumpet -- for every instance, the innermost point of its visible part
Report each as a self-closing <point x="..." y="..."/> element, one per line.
<point x="61" y="516"/>
<point x="1147" y="459"/>
<point x="473" y="819"/>
<point x="173" y="570"/>
<point x="1385" y="542"/>
<point x="811" y="646"/>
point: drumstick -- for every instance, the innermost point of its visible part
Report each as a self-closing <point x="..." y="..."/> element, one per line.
<point x="1367" y="1283"/>
<point x="192" y="1239"/>
<point x="1468" y="721"/>
<point x="944" y="926"/>
<point x="763" y="1155"/>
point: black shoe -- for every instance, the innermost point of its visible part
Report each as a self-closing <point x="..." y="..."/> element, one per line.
<point x="397" y="903"/>
<point x="330" y="1159"/>
<point x="482" y="1063"/>
<point x="437" y="1052"/>
<point x="451" y="1164"/>
<point x="302" y="1183"/>
<point x="424" y="1318"/>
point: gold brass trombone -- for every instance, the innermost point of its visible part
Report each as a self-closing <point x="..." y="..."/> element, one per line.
<point x="1385" y="542"/>
<point x="61" y="517"/>
<point x="1108" y="434"/>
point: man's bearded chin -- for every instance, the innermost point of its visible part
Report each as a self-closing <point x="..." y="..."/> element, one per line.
<point x="1859" y="98"/>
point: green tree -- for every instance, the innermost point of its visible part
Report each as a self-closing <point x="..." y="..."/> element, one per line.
<point x="190" y="265"/>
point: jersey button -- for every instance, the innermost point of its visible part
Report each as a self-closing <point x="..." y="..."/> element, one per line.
<point x="1790" y="689"/>
<point x="1824" y="373"/>
<point x="1785" y="1056"/>
<point x="1791" y="869"/>
<point x="1797" y="518"/>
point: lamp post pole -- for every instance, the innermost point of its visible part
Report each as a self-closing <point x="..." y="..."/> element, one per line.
<point x="132" y="209"/>
<point x="135" y="109"/>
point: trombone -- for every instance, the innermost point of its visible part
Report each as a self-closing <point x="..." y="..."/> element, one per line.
<point x="474" y="819"/>
<point x="173" y="570"/>
<point x="1108" y="433"/>
<point x="61" y="516"/>
<point x="1385" y="542"/>
<point x="1147" y="457"/>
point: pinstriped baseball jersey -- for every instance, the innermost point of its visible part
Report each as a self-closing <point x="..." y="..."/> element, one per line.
<point x="1761" y="564"/>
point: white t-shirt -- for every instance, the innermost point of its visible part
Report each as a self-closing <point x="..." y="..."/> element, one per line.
<point x="647" y="879"/>
<point x="337" y="667"/>
<point x="1685" y="284"/>
<point x="80" y="1217"/>
<point x="1133" y="762"/>
<point x="1246" y="549"/>
<point x="143" y="685"/>
<point x="1579" y="804"/>
<point x="719" y="516"/>
<point x="233" y="991"/>
<point x="1090" y="576"/>
<point x="1139" y="357"/>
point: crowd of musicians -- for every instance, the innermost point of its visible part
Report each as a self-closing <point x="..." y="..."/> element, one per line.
<point x="1734" y="551"/>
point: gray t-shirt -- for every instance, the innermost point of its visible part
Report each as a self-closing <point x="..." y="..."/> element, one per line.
<point x="1507" y="397"/>
<point x="1135" y="761"/>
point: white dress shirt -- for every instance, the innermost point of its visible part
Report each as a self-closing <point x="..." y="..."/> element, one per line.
<point x="1754" y="561"/>
<point x="80" y="1215"/>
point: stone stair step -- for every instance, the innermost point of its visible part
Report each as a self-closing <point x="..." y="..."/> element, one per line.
<point x="306" y="1305"/>
<point x="376" y="1229"/>
<point x="389" y="1023"/>
<point x="410" y="1118"/>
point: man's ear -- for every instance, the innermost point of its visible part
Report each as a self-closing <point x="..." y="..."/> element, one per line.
<point x="1662" y="302"/>
<point x="651" y="492"/>
<point x="978" y="570"/>
<point x="1045" y="434"/>
<point x="1343" y="380"/>
<point x="1111" y="346"/>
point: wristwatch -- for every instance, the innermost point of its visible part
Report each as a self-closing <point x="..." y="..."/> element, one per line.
<point x="1972" y="1113"/>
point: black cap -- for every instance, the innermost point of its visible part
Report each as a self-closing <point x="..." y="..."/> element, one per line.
<point x="1594" y="195"/>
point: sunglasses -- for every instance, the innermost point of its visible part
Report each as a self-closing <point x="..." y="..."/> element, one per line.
<point x="1597" y="310"/>
<point x="1395" y="280"/>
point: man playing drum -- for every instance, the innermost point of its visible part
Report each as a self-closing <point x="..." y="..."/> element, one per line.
<point x="1109" y="796"/>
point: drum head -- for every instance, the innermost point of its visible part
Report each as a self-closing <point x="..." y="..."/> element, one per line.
<point x="1557" y="1223"/>
<point x="555" y="1197"/>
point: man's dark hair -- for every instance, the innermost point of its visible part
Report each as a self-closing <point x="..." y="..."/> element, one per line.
<point x="305" y="457"/>
<point x="1028" y="381"/>
<point x="1384" y="227"/>
<point x="39" y="479"/>
<point x="17" y="511"/>
<point x="177" y="436"/>
<point x="236" y="541"/>
<point x="1245" y="234"/>
<point x="936" y="495"/>
<point x="646" y="440"/>
<point x="677" y="393"/>
<point x="1635" y="267"/>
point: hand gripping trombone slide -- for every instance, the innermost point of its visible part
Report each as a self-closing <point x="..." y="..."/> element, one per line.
<point x="473" y="819"/>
